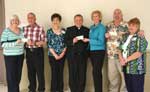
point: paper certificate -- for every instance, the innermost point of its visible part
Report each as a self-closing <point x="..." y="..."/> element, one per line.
<point x="24" y="39"/>
<point x="80" y="37"/>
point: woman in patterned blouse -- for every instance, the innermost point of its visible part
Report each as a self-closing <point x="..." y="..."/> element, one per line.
<point x="56" y="53"/>
<point x="132" y="57"/>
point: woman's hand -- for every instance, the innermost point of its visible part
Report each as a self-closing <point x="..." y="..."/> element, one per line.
<point x="123" y="62"/>
<point x="57" y="57"/>
<point x="141" y="33"/>
<point x="18" y="41"/>
<point x="63" y="53"/>
<point x="85" y="40"/>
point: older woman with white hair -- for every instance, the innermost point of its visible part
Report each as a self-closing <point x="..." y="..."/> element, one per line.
<point x="12" y="40"/>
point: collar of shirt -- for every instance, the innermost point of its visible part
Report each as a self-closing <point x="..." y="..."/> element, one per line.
<point x="78" y="28"/>
<point x="95" y="26"/>
<point x="32" y="26"/>
<point x="121" y="23"/>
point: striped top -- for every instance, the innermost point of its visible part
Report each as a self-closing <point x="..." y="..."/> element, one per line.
<point x="9" y="45"/>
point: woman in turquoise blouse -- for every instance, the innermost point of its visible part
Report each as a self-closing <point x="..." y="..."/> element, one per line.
<point x="13" y="50"/>
<point x="97" y="48"/>
<point x="56" y="53"/>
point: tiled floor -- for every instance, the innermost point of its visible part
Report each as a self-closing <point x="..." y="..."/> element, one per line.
<point x="3" y="88"/>
<point x="147" y="87"/>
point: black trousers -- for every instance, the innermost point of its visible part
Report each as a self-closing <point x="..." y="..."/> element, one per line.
<point x="97" y="58"/>
<point x="35" y="65"/>
<point x="134" y="83"/>
<point x="57" y="68"/>
<point x="13" y="71"/>
<point x="77" y="63"/>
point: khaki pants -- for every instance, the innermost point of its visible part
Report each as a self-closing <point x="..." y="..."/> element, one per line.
<point x="115" y="76"/>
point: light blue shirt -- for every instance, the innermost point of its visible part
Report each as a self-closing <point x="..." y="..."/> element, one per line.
<point x="9" y="45"/>
<point x="97" y="37"/>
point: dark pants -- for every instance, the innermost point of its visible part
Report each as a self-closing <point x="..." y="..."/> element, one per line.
<point x="134" y="83"/>
<point x="13" y="71"/>
<point x="77" y="63"/>
<point x="35" y="65"/>
<point x="57" y="68"/>
<point x="97" y="58"/>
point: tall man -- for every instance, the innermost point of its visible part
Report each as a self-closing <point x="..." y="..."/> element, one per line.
<point x="77" y="54"/>
<point x="115" y="30"/>
<point x="35" y="53"/>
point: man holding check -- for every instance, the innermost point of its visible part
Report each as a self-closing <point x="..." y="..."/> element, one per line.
<point x="77" y="54"/>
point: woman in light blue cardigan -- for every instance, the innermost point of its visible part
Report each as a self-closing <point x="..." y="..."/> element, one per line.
<point x="97" y="48"/>
<point x="13" y="51"/>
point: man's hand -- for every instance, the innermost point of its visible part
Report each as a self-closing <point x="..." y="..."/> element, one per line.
<point x="107" y="35"/>
<point x="75" y="40"/>
<point x="29" y="42"/>
<point x="39" y="43"/>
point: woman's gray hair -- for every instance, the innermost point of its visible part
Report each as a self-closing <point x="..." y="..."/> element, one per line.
<point x="14" y="17"/>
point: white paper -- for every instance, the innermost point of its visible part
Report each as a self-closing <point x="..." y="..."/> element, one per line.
<point x="113" y="33"/>
<point x="80" y="37"/>
<point x="24" y="39"/>
<point x="124" y="54"/>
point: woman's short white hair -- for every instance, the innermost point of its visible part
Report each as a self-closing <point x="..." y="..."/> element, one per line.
<point x="14" y="17"/>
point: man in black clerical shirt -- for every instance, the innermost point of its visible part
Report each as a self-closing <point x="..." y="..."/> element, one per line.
<point x="77" y="54"/>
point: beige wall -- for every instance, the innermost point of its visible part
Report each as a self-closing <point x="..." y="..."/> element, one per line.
<point x="2" y="14"/>
<point x="68" y="8"/>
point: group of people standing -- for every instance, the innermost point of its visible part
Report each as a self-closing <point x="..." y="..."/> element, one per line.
<point x="122" y="43"/>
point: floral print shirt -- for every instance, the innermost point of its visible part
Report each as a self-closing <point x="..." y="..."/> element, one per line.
<point x="116" y="33"/>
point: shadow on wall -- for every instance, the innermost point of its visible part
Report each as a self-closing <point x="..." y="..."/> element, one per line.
<point x="2" y="68"/>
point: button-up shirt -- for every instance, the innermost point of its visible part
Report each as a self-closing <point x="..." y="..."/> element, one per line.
<point x="80" y="46"/>
<point x="137" y="43"/>
<point x="116" y="33"/>
<point x="55" y="41"/>
<point x="97" y="37"/>
<point x="34" y="33"/>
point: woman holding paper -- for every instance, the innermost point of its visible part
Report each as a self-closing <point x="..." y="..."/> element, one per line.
<point x="13" y="50"/>
<point x="97" y="48"/>
<point x="56" y="53"/>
